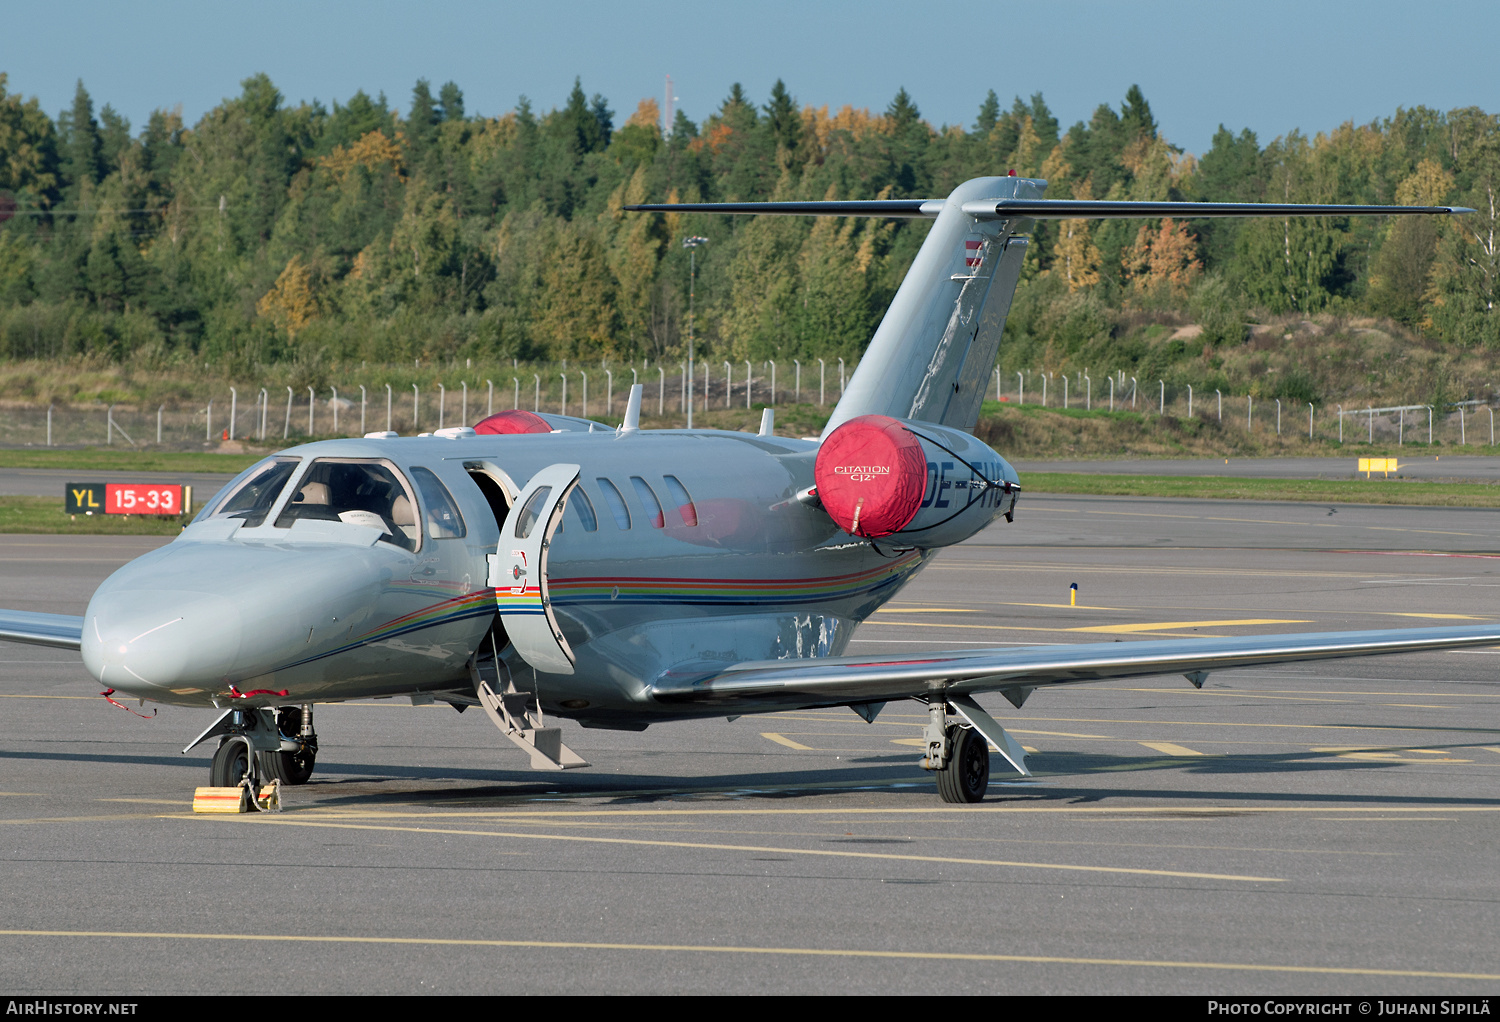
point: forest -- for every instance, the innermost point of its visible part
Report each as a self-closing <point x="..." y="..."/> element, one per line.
<point x="278" y="234"/>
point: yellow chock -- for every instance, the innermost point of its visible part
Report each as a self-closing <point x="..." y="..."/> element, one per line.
<point x="221" y="800"/>
<point x="270" y="797"/>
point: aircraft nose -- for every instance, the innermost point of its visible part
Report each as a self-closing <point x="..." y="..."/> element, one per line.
<point x="144" y="639"/>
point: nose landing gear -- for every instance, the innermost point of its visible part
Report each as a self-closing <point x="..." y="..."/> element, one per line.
<point x="282" y="742"/>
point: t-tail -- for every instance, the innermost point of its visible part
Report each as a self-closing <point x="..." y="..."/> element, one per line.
<point x="933" y="355"/>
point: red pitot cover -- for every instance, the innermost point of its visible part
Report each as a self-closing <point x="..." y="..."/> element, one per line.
<point x="515" y="421"/>
<point x="871" y="475"/>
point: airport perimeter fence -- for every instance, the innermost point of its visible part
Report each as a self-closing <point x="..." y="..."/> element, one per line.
<point x="1464" y="423"/>
<point x="275" y="414"/>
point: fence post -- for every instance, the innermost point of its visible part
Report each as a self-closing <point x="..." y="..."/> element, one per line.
<point x="416" y="406"/>
<point x="158" y="426"/>
<point x="49" y="425"/>
<point x="388" y="399"/>
<point x="1249" y="412"/>
<point x="822" y="377"/>
<point x="609" y="393"/>
<point x="109" y="425"/>
<point x="536" y="392"/>
<point x="1278" y="416"/>
<point x="1162" y="409"/>
<point x="1190" y="400"/>
<point x="773" y="382"/>
<point x="1429" y="425"/>
<point x="208" y="420"/>
<point x="1132" y="392"/>
<point x="1370" y="416"/>
<point x="797" y="386"/>
<point x="1088" y="394"/>
<point x="490" y="407"/>
<point x="749" y="382"/>
<point x="234" y="408"/>
<point x="362" y="397"/>
<point x="1341" y="422"/>
<point x="1111" y="391"/>
<point x="265" y="406"/>
<point x="1021" y="390"/>
<point x="286" y="428"/>
<point x="1309" y="420"/>
<point x="841" y="379"/>
<point x="516" y="399"/>
<point x="1463" y="437"/>
<point x="463" y="408"/>
<point x="335" y="407"/>
<point x="1220" y="395"/>
<point x="1045" y="377"/>
<point x="585" y="392"/>
<point x="564" y="393"/>
<point x="311" y="397"/>
<point x="442" y="404"/>
<point x="1065" y="390"/>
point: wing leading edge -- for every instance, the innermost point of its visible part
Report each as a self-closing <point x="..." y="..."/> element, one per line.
<point x="63" y="631"/>
<point x="835" y="680"/>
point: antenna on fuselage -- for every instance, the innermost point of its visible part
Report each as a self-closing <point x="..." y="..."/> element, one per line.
<point x="633" y="409"/>
<point x="767" y="422"/>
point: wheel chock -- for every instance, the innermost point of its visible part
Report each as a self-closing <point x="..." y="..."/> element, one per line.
<point x="237" y="800"/>
<point x="221" y="800"/>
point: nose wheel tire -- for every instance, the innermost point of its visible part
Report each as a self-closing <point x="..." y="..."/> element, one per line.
<point x="230" y="764"/>
<point x="290" y="767"/>
<point x="967" y="775"/>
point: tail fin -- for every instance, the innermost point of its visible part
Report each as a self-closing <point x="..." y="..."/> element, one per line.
<point x="931" y="357"/>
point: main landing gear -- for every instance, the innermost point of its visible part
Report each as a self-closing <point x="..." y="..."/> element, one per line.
<point x="960" y="753"/>
<point x="275" y="744"/>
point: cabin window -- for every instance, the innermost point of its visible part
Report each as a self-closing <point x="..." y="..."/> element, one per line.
<point x="443" y="519"/>
<point x="649" y="502"/>
<point x="583" y="509"/>
<point x="615" y="501"/>
<point x="531" y="511"/>
<point x="251" y="500"/>
<point x="684" y="502"/>
<point x="367" y="493"/>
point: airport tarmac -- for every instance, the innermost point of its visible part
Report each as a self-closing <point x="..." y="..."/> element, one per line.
<point x="1314" y="828"/>
<point x="1433" y="468"/>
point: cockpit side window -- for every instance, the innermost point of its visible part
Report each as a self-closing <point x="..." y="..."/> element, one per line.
<point x="443" y="519"/>
<point x="251" y="498"/>
<point x="357" y="492"/>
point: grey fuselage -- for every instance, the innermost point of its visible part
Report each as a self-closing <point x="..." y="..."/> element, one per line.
<point x="325" y="611"/>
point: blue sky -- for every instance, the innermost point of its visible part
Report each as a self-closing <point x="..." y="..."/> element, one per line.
<point x="1270" y="66"/>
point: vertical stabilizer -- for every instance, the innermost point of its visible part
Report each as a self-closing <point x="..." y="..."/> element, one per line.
<point x="933" y="354"/>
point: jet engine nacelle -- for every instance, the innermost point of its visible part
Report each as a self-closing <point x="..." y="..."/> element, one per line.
<point x="917" y="483"/>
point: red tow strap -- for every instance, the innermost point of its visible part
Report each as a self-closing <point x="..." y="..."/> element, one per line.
<point x="109" y="692"/>
<point x="235" y="693"/>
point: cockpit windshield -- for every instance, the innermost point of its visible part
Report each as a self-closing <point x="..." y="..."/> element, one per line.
<point x="367" y="493"/>
<point x="251" y="499"/>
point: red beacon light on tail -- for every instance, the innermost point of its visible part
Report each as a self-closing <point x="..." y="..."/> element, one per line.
<point x="917" y="483"/>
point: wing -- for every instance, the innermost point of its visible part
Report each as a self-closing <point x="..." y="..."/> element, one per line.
<point x="61" y="630"/>
<point x="832" y="681"/>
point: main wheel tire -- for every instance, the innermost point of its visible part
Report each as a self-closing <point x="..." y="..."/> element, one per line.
<point x="290" y="767"/>
<point x="230" y="764"/>
<point x="967" y="775"/>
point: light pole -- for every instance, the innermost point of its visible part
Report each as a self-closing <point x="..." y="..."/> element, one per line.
<point x="691" y="244"/>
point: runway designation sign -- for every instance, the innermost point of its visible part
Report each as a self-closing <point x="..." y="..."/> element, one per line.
<point x="124" y="499"/>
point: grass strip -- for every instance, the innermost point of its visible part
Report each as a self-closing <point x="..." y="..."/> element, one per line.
<point x="1317" y="491"/>
<point x="103" y="459"/>
<point x="44" y="516"/>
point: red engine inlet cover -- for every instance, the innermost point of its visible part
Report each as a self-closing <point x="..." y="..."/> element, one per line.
<point x="871" y="474"/>
<point x="515" y="421"/>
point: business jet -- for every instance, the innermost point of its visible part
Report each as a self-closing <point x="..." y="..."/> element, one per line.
<point x="548" y="566"/>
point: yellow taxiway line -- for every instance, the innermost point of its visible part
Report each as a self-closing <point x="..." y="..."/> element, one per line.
<point x="733" y="949"/>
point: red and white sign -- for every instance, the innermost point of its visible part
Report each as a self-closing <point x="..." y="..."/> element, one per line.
<point x="142" y="499"/>
<point x="973" y="252"/>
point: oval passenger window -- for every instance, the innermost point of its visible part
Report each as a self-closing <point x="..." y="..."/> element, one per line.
<point x="526" y="521"/>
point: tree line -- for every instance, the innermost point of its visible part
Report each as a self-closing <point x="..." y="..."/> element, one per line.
<point x="271" y="232"/>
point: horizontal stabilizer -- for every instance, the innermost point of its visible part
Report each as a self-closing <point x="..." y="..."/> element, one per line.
<point x="61" y="630"/>
<point x="874" y="207"/>
<point x="840" y="680"/>
<point x="1089" y="209"/>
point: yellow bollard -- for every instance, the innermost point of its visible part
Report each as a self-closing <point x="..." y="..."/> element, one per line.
<point x="1073" y="595"/>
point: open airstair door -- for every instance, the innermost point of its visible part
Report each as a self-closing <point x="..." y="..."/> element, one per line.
<point x="518" y="570"/>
